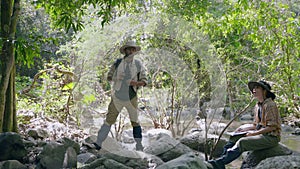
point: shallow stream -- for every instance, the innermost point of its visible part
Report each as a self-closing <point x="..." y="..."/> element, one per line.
<point x="291" y="141"/>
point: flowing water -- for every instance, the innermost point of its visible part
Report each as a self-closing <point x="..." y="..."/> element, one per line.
<point x="291" y="141"/>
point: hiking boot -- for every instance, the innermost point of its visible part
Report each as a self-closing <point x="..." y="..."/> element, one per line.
<point x="230" y="155"/>
<point x="102" y="135"/>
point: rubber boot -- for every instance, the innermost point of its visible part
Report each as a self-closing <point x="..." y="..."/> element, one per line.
<point x="230" y="155"/>
<point x="102" y="135"/>
<point x="137" y="135"/>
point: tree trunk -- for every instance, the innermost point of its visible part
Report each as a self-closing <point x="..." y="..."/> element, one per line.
<point x="10" y="10"/>
<point x="14" y="100"/>
<point x="8" y="111"/>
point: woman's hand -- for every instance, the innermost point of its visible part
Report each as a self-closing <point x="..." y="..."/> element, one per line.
<point x="261" y="131"/>
<point x="243" y="129"/>
<point x="252" y="133"/>
<point x="239" y="130"/>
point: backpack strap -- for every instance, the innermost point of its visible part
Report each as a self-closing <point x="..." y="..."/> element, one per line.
<point x="117" y="63"/>
<point x="138" y="66"/>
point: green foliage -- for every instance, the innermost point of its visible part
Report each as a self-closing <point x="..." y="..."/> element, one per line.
<point x="26" y="52"/>
<point x="251" y="39"/>
<point x="50" y="94"/>
<point x="27" y="104"/>
<point x="69" y="86"/>
<point x="161" y="80"/>
<point x="22" y="82"/>
<point x="69" y="14"/>
<point x="254" y="40"/>
<point x="170" y="54"/>
<point x="36" y="42"/>
<point x="89" y="98"/>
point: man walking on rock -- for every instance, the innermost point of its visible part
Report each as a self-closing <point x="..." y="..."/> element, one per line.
<point x="127" y="75"/>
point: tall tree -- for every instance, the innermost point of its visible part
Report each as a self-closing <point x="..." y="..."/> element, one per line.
<point x="10" y="10"/>
<point x="66" y="14"/>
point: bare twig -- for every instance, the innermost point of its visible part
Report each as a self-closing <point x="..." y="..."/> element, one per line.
<point x="238" y="114"/>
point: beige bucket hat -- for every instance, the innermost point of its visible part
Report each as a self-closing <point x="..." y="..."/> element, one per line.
<point x="129" y="44"/>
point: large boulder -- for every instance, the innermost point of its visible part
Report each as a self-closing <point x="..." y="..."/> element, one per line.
<point x="186" y="161"/>
<point x="166" y="148"/>
<point x="38" y="133"/>
<point x="11" y="147"/>
<point x="104" y="163"/>
<point x="56" y="155"/>
<point x="70" y="143"/>
<point x="109" y="163"/>
<point x="12" y="164"/>
<point x="253" y="158"/>
<point x="85" y="158"/>
<point x="133" y="159"/>
<point x="280" y="162"/>
<point x="196" y="141"/>
<point x="122" y="160"/>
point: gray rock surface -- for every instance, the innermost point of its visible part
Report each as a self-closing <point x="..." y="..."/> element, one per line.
<point x="38" y="133"/>
<point x="297" y="131"/>
<point x="12" y="164"/>
<point x="280" y="162"/>
<point x="253" y="158"/>
<point x="54" y="155"/>
<point x="167" y="148"/>
<point x="85" y="157"/>
<point x="162" y="151"/>
<point x="186" y="161"/>
<point x="196" y="141"/>
<point x="11" y="147"/>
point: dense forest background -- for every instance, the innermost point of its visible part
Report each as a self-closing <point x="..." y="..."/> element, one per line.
<point x="55" y="54"/>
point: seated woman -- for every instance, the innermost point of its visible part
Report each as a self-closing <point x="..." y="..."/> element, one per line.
<point x="264" y="133"/>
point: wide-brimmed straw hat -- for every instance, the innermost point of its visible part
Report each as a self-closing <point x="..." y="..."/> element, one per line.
<point x="264" y="85"/>
<point x="129" y="44"/>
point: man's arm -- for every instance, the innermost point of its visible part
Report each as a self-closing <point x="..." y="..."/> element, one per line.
<point x="142" y="78"/>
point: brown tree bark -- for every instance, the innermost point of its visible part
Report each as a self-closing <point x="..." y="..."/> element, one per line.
<point x="10" y="10"/>
<point x="8" y="111"/>
<point x="14" y="100"/>
<point x="9" y="119"/>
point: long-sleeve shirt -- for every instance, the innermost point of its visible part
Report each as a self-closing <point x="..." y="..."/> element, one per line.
<point x="121" y="73"/>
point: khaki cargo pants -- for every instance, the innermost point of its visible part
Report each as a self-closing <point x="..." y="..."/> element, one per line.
<point x="251" y="143"/>
<point x="115" y="107"/>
